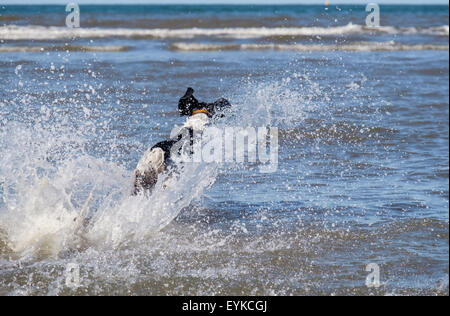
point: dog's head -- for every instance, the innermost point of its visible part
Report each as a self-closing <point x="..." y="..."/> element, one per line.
<point x="188" y="104"/>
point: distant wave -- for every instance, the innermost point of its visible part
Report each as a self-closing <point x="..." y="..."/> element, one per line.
<point x="12" y="32"/>
<point x="356" y="47"/>
<point x="71" y="48"/>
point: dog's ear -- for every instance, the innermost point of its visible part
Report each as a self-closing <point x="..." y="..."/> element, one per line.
<point x="219" y="107"/>
<point x="188" y="93"/>
<point x="187" y="102"/>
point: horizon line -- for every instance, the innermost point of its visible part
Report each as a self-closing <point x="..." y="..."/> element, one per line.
<point x="229" y="4"/>
<point x="115" y="2"/>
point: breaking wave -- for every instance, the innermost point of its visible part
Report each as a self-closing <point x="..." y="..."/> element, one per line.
<point x="356" y="47"/>
<point x="13" y="32"/>
<point x="70" y="48"/>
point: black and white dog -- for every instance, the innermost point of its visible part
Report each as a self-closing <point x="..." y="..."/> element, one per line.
<point x="157" y="159"/>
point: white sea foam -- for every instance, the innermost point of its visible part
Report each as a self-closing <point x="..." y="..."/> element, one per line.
<point x="76" y="48"/>
<point x="13" y="32"/>
<point x="354" y="47"/>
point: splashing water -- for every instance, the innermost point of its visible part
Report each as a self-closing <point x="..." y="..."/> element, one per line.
<point x="282" y="103"/>
<point x="58" y="197"/>
<point x="44" y="199"/>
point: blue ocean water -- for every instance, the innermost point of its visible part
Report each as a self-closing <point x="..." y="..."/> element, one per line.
<point x="362" y="174"/>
